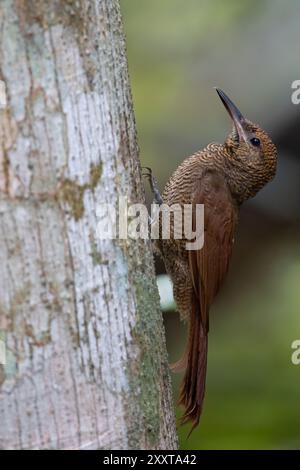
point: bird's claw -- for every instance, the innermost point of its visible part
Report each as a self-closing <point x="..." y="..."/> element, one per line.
<point x="153" y="184"/>
<point x="147" y="174"/>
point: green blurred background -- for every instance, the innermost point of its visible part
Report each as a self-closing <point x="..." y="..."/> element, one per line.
<point x="178" y="51"/>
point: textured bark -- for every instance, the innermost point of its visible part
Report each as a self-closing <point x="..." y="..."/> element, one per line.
<point x="86" y="359"/>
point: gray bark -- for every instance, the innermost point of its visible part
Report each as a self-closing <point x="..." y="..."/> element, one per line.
<point x="86" y="363"/>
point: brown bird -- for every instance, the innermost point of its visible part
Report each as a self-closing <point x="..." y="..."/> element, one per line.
<point x="222" y="177"/>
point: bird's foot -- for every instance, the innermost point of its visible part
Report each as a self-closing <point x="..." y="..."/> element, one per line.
<point x="153" y="184"/>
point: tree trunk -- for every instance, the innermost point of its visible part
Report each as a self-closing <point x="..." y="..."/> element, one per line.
<point x="86" y="363"/>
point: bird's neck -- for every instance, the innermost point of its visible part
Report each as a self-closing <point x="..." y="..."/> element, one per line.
<point x="243" y="185"/>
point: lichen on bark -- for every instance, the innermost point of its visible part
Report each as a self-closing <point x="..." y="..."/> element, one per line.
<point x="72" y="193"/>
<point x="87" y="365"/>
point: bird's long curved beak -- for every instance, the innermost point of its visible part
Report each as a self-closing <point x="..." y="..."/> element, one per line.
<point x="235" y="114"/>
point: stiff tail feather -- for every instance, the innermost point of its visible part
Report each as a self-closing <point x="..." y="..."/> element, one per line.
<point x="195" y="363"/>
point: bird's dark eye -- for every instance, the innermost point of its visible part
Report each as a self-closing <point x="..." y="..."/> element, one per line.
<point x="255" y="141"/>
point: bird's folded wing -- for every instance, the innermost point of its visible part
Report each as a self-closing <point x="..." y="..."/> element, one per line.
<point x="209" y="265"/>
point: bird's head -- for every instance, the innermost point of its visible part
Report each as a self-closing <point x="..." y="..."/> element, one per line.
<point x="251" y="154"/>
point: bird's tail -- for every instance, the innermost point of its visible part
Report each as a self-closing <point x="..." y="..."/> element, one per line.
<point x="195" y="363"/>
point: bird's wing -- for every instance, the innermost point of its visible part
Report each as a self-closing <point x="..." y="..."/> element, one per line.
<point x="209" y="265"/>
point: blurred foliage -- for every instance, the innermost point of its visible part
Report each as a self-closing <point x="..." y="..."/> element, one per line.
<point x="177" y="52"/>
